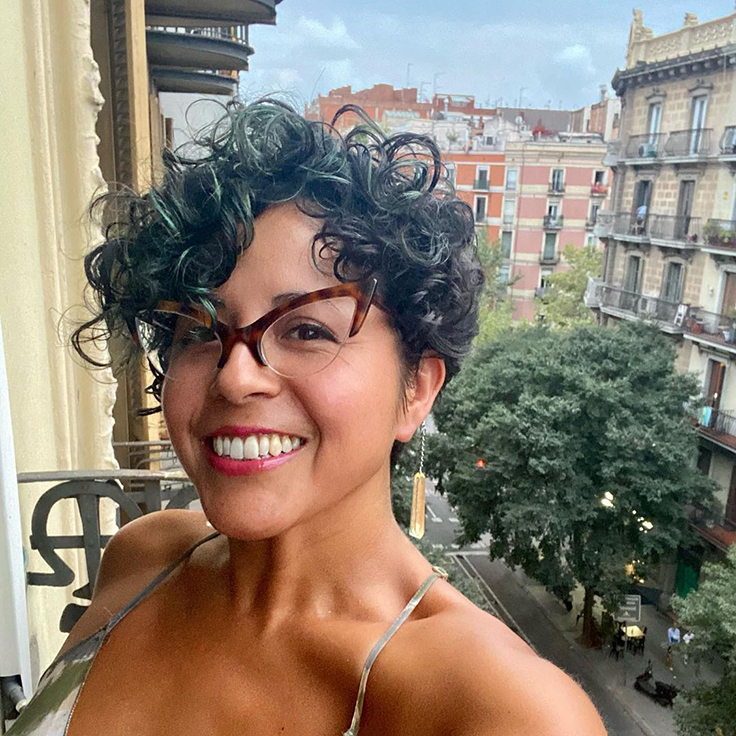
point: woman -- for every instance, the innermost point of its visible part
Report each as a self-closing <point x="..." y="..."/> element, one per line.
<point x="352" y="265"/>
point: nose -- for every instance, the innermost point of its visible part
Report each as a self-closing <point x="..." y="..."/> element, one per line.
<point x="242" y="377"/>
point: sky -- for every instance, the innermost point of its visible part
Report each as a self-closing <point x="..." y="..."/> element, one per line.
<point x="554" y="54"/>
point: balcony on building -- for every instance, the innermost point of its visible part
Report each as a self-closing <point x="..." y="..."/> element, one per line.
<point x="627" y="226"/>
<point x="728" y="141"/>
<point x="598" y="190"/>
<point x="630" y="305"/>
<point x="711" y="329"/>
<point x="481" y="184"/>
<point x="553" y="222"/>
<point x="688" y="144"/>
<point x="207" y="13"/>
<point x="720" y="235"/>
<point x="674" y="230"/>
<point x="645" y="147"/>
<point x="556" y="187"/>
<point x="719" y="531"/>
<point x="603" y="227"/>
<point x="594" y="293"/>
<point x="215" y="49"/>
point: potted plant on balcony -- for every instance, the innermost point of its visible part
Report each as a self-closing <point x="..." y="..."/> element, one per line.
<point x="712" y="233"/>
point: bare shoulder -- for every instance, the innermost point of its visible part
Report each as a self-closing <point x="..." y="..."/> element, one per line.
<point x="493" y="682"/>
<point x="135" y="555"/>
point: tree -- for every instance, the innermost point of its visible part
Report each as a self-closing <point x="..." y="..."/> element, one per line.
<point x="710" y="614"/>
<point x="586" y="452"/>
<point x="562" y="304"/>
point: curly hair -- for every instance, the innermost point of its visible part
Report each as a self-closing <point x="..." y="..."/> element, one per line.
<point x="386" y="211"/>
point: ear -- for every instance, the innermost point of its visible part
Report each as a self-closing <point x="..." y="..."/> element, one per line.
<point x="428" y="381"/>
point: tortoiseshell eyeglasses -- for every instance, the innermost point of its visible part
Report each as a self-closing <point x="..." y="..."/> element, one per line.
<point x="298" y="338"/>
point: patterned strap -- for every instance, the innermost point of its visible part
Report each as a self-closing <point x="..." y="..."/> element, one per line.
<point x="381" y="643"/>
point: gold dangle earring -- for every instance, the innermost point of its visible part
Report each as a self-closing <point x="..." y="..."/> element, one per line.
<point x="416" y="527"/>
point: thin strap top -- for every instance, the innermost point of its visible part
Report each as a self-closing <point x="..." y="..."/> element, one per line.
<point x="50" y="710"/>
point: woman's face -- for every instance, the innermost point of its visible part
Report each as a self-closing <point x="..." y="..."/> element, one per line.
<point x="346" y="416"/>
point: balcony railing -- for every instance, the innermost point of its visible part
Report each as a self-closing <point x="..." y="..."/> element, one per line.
<point x="237" y="33"/>
<point x="553" y="222"/>
<point x="590" y="223"/>
<point x="625" y="224"/>
<point x="642" y="306"/>
<point x="718" y="328"/>
<point x="598" y="190"/>
<point x="691" y="142"/>
<point x="645" y="145"/>
<point x="613" y="153"/>
<point x="549" y="258"/>
<point x="728" y="141"/>
<point x="556" y="187"/>
<point x="715" y="528"/>
<point x="604" y="224"/>
<point x="720" y="233"/>
<point x="677" y="228"/>
<point x="594" y="292"/>
<point x="480" y="184"/>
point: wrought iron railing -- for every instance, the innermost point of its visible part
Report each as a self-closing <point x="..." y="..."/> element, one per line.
<point x="645" y="145"/>
<point x="598" y="190"/>
<point x="134" y="492"/>
<point x="720" y="328"/>
<point x="553" y="222"/>
<point x="642" y="306"/>
<point x="480" y="184"/>
<point x="691" y="142"/>
<point x="721" y="233"/>
<point x="675" y="227"/>
<point x="728" y="141"/>
<point x="625" y="224"/>
<point x="556" y="187"/>
<point x="237" y="33"/>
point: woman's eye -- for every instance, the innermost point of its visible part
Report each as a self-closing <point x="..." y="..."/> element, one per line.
<point x="308" y="332"/>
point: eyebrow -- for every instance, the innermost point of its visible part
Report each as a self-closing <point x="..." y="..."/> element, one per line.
<point x="284" y="297"/>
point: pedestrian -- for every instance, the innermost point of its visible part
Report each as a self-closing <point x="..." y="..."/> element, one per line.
<point x="673" y="634"/>
<point x="687" y="638"/>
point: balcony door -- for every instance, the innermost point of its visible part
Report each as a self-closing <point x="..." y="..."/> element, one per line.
<point x="697" y="122"/>
<point x="482" y="177"/>
<point x="672" y="283"/>
<point x="730" y="514"/>
<point x="684" y="208"/>
<point x="717" y="371"/>
<point x="632" y="278"/>
<point x="728" y="303"/>
<point x="655" y="118"/>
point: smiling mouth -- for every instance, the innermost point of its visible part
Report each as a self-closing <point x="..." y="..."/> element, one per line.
<point x="254" y="446"/>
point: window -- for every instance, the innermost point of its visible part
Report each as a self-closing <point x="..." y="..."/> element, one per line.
<point x="489" y="140"/>
<point x="593" y="216"/>
<point x="509" y="209"/>
<point x="550" y="247"/>
<point x="451" y="173"/>
<point x="504" y="274"/>
<point x="512" y="176"/>
<point x="599" y="178"/>
<point x="481" y="177"/>
<point x="591" y="240"/>
<point x="506" y="237"/>
<point x="558" y="180"/>
<point x="672" y="282"/>
<point x="654" y="119"/>
<point x="704" y="459"/>
<point x="480" y="209"/>
<point x="632" y="279"/>
<point x="545" y="273"/>
<point x="698" y="110"/>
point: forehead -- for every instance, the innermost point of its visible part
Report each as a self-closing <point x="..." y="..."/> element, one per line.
<point x="278" y="260"/>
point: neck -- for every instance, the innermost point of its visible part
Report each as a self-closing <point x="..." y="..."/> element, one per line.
<point x="351" y="560"/>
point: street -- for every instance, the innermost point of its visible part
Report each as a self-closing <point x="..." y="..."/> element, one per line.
<point x="519" y="610"/>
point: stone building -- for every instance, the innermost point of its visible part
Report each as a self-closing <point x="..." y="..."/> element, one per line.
<point x="670" y="234"/>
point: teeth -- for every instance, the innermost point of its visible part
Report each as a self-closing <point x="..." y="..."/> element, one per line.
<point x="263" y="444"/>
<point x="250" y="448"/>
<point x="236" y="448"/>
<point x="254" y="446"/>
<point x="275" y="446"/>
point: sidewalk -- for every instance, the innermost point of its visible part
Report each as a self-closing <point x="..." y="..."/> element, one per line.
<point x="619" y="676"/>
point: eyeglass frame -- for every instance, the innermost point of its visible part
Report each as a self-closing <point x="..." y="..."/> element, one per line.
<point x="364" y="293"/>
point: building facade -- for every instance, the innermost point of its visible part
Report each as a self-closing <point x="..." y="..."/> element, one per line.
<point x="553" y="191"/>
<point x="670" y="234"/>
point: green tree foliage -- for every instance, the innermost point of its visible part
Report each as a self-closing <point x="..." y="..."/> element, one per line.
<point x="562" y="305"/>
<point x="561" y="418"/>
<point x="496" y="309"/>
<point x="710" y="614"/>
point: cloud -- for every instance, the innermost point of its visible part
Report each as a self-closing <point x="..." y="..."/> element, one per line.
<point x="577" y="56"/>
<point x="334" y="36"/>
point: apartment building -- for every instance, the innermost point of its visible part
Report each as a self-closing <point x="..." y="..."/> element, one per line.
<point x="670" y="234"/>
<point x="554" y="189"/>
